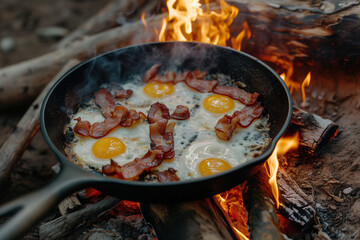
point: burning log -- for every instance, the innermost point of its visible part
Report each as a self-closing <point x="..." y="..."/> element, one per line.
<point x="191" y="220"/>
<point x="315" y="131"/>
<point x="260" y="205"/>
<point x="64" y="225"/>
<point x="25" y="130"/>
<point x="21" y="82"/>
<point x="296" y="205"/>
<point x="297" y="31"/>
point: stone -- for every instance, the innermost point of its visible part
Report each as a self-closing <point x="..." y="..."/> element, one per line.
<point x="52" y="33"/>
<point x="7" y="45"/>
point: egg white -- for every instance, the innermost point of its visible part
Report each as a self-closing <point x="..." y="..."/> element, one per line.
<point x="194" y="138"/>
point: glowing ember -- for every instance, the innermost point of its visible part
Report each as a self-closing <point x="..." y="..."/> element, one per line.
<point x="188" y="21"/>
<point x="241" y="236"/>
<point x="284" y="145"/>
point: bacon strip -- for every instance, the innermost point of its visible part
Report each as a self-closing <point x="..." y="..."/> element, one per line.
<point x="158" y="117"/>
<point x="105" y="100"/>
<point x="200" y="85"/>
<point x="237" y="94"/>
<point x="151" y="73"/>
<point x="167" y="176"/>
<point x="226" y="125"/>
<point x="181" y="113"/>
<point x="248" y="114"/>
<point x="133" y="169"/>
<point x="169" y="77"/>
<point x="101" y="129"/>
<point x="82" y="127"/>
<point x="121" y="93"/>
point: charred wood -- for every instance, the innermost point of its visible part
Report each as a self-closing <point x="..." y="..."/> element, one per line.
<point x="261" y="209"/>
<point x="190" y="220"/>
<point x="25" y="131"/>
<point x="300" y="31"/>
<point x="296" y="206"/>
<point x="64" y="225"/>
<point x="315" y="131"/>
<point x="70" y="203"/>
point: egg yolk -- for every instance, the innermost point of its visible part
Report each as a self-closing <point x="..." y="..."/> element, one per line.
<point x="158" y="90"/>
<point x="218" y="103"/>
<point x="212" y="166"/>
<point x="108" y="147"/>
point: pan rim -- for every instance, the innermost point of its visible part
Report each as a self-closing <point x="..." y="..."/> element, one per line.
<point x="256" y="161"/>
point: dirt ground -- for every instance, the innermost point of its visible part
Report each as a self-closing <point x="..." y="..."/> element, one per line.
<point x="332" y="179"/>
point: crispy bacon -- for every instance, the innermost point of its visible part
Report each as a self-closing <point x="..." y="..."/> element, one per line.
<point x="181" y="113"/>
<point x="105" y="100"/>
<point x="158" y="117"/>
<point x="130" y="118"/>
<point x="167" y="176"/>
<point x="158" y="111"/>
<point x="82" y="127"/>
<point x="227" y="124"/>
<point x="200" y="85"/>
<point x="122" y="93"/>
<point x="183" y="76"/>
<point x="151" y="73"/>
<point x="199" y="74"/>
<point x="248" y="114"/>
<point x="237" y="94"/>
<point x="101" y="129"/>
<point x="225" y="127"/>
<point x="169" y="77"/>
<point x="133" y="169"/>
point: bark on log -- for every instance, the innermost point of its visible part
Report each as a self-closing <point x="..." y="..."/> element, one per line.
<point x="25" y="130"/>
<point x="296" y="205"/>
<point x="70" y="203"/>
<point x="191" y="220"/>
<point x="64" y="225"/>
<point x="315" y="131"/>
<point x="21" y="82"/>
<point x="313" y="32"/>
<point x="260" y="205"/>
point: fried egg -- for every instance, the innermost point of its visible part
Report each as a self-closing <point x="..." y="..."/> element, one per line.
<point x="198" y="152"/>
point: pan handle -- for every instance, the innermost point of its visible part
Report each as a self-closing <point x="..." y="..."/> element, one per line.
<point x="29" y="209"/>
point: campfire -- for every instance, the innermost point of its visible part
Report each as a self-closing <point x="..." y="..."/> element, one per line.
<point x="271" y="203"/>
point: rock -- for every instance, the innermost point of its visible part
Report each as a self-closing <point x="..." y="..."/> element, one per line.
<point x="7" y="44"/>
<point x="347" y="190"/>
<point x="52" y="33"/>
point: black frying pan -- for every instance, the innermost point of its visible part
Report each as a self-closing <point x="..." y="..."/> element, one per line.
<point x="84" y="79"/>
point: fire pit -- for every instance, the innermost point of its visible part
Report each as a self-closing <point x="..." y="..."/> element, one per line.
<point x="326" y="173"/>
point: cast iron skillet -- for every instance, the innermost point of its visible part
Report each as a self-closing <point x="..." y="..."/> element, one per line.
<point x="117" y="66"/>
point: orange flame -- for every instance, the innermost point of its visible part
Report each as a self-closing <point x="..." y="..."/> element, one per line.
<point x="143" y="15"/>
<point x="284" y="145"/>
<point x="287" y="77"/>
<point x="240" y="234"/>
<point x="305" y="83"/>
<point x="245" y="33"/>
<point x="188" y="21"/>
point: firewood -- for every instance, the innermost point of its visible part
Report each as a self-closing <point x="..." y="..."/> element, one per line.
<point x="296" y="206"/>
<point x="106" y="18"/>
<point x="69" y="204"/>
<point x="260" y="205"/>
<point x="191" y="220"/>
<point x="315" y="131"/>
<point x="25" y="130"/>
<point x="21" y="82"/>
<point x="64" y="225"/>
<point x="300" y="31"/>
